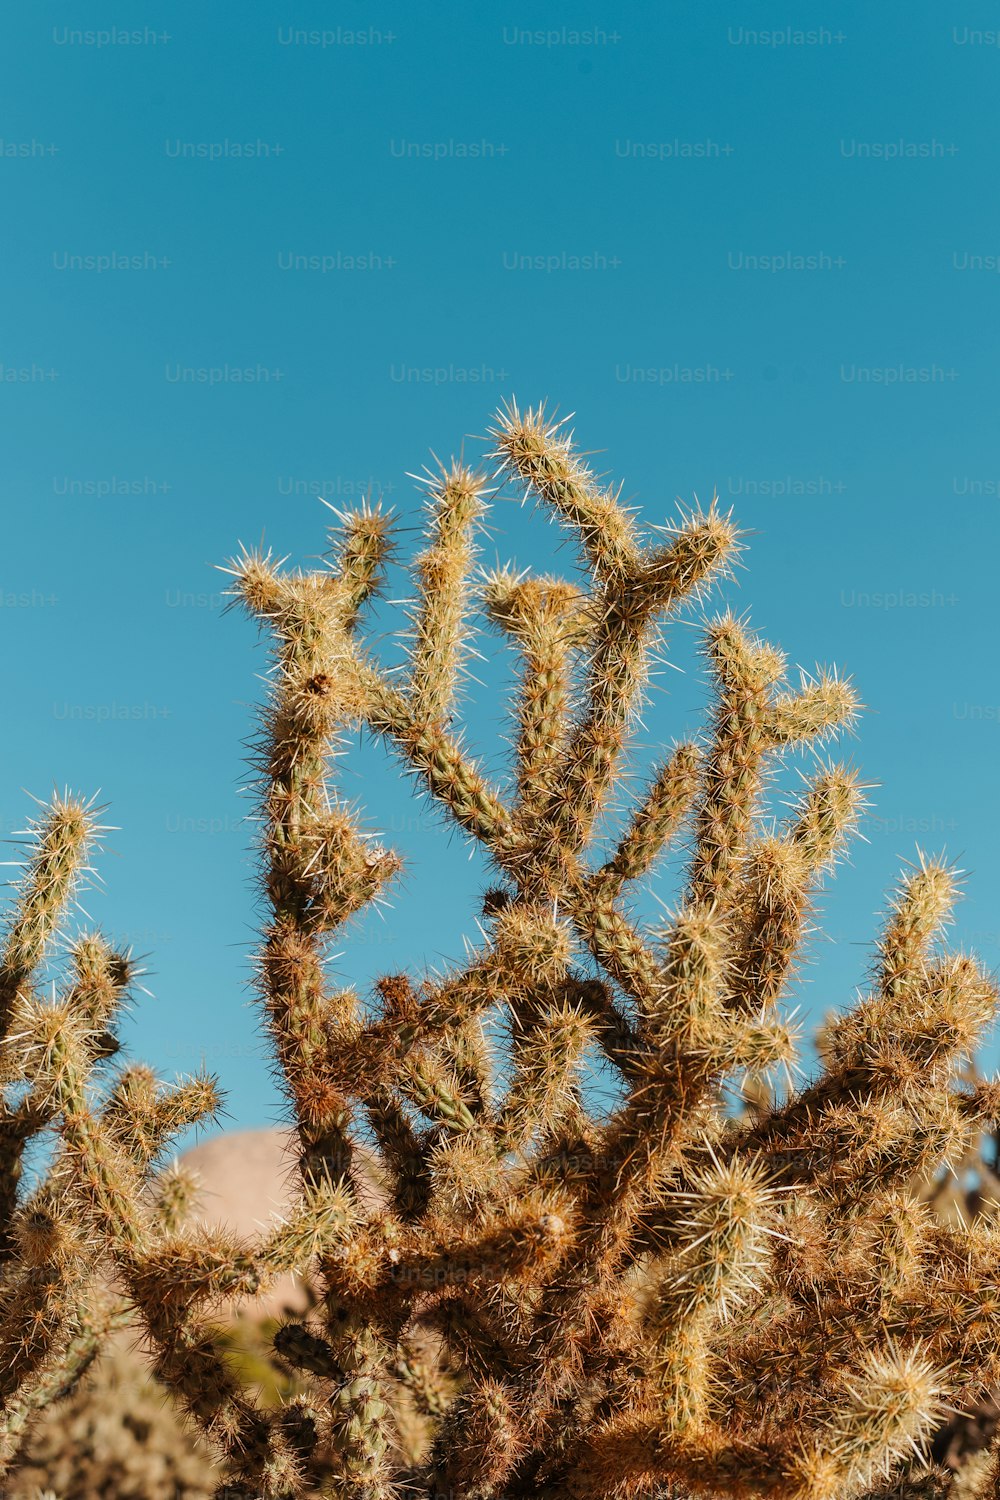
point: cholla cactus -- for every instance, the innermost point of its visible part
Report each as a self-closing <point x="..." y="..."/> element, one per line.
<point x="118" y="1437"/>
<point x="553" y="1295"/>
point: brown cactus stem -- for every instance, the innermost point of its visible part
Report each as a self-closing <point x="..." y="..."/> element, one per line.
<point x="465" y="1323"/>
<point x="629" y="1456"/>
<point x="304" y="1028"/>
<point x="18" y="1124"/>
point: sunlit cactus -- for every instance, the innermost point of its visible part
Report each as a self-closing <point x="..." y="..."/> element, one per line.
<point x="532" y="1282"/>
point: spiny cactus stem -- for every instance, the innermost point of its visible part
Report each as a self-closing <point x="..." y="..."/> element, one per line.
<point x="61" y="839"/>
<point x="455" y="500"/>
<point x="549" y="620"/>
<point x="90" y="1326"/>
<point x="446" y="772"/>
<point x="655" y="821"/>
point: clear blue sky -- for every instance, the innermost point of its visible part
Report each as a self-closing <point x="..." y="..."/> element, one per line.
<point x="541" y="217"/>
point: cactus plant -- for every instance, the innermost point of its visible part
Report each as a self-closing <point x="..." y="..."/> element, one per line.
<point x="559" y="1295"/>
<point x="119" y="1436"/>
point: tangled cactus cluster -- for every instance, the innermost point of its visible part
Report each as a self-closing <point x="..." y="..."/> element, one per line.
<point x="553" y="1293"/>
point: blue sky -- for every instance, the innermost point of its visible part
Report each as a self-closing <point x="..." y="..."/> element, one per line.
<point x="749" y="259"/>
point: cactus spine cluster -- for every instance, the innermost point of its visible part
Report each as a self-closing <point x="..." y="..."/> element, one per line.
<point x="553" y="1293"/>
